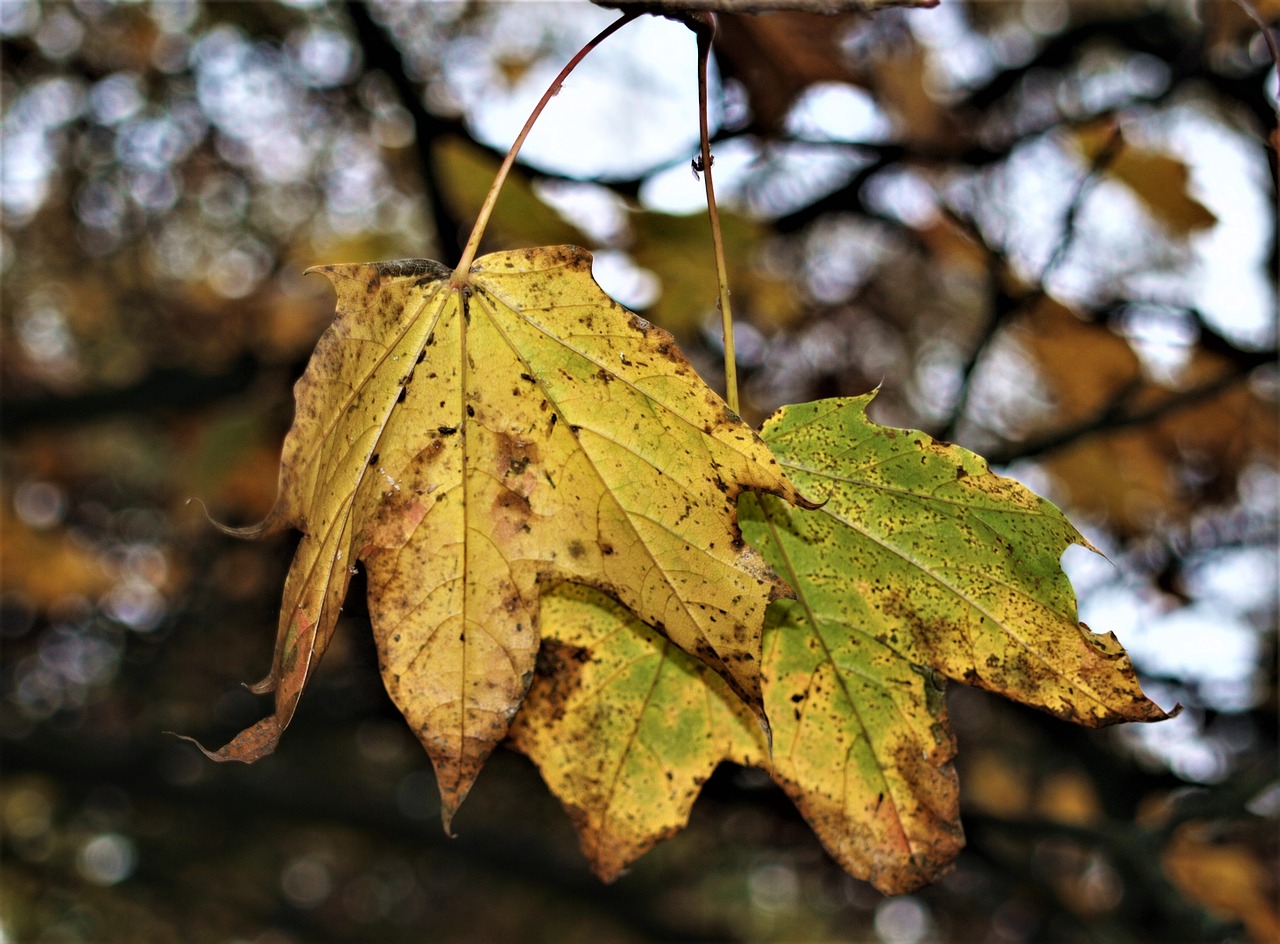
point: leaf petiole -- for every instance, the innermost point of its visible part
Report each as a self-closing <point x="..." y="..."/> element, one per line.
<point x="461" y="274"/>
<point x="704" y="25"/>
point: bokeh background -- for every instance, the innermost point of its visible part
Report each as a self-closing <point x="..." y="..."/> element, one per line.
<point x="1045" y="230"/>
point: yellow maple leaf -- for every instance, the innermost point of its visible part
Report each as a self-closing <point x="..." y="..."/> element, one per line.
<point x="472" y="441"/>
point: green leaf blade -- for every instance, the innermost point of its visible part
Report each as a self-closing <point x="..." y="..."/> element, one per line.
<point x="920" y="565"/>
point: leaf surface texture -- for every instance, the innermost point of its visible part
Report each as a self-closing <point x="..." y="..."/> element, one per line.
<point x="472" y="444"/>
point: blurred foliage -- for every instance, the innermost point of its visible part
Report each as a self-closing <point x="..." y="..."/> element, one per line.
<point x="1045" y="229"/>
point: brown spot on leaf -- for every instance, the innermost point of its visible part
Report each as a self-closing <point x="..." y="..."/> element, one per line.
<point x="559" y="670"/>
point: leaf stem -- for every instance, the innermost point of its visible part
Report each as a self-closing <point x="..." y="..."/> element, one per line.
<point x="461" y="273"/>
<point x="706" y="31"/>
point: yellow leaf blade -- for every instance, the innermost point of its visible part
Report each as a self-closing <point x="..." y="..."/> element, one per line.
<point x="473" y="442"/>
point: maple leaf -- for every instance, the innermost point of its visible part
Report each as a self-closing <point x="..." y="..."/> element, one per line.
<point x="470" y="442"/>
<point x="922" y="565"/>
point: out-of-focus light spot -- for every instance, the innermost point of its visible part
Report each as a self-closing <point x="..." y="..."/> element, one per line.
<point x="750" y="345"/>
<point x="81" y="657"/>
<point x="176" y="252"/>
<point x="171" y="52"/>
<point x="29" y="158"/>
<point x="18" y="17"/>
<point x="625" y="281"/>
<point x="136" y="604"/>
<point x="38" y="691"/>
<point x="236" y="273"/>
<point x="100" y="204"/>
<point x="788" y="177"/>
<point x="107" y="859"/>
<point x="60" y="33"/>
<point x="1179" y="744"/>
<point x="903" y="920"/>
<point x="1267" y="802"/>
<point x="153" y="190"/>
<point x="1101" y="888"/>
<point x="840" y="255"/>
<point x="306" y="881"/>
<point x="24" y="174"/>
<point x="27" y="813"/>
<point x="44" y="334"/>
<point x="773" y="887"/>
<point x="324" y="56"/>
<point x="175" y="16"/>
<point x="1230" y="283"/>
<point x="964" y="58"/>
<point x="938" y="376"/>
<point x="1239" y="581"/>
<point x="903" y="193"/>
<point x="1108" y="79"/>
<point x="146" y="562"/>
<point x="39" y="504"/>
<point x="834" y="111"/>
<point x="1045" y="17"/>
<point x="115" y="98"/>
<point x="1177" y="645"/>
<point x="152" y="143"/>
<point x="393" y="128"/>
<point x="1259" y="487"/>
<point x="1162" y="338"/>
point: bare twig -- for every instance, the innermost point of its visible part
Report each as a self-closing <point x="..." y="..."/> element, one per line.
<point x="1005" y="307"/>
<point x="704" y="26"/>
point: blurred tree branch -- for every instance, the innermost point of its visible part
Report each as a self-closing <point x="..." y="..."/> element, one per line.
<point x="164" y="389"/>
<point x="1114" y="416"/>
<point x="1004" y="306"/>
<point x="381" y="53"/>
<point x="313" y="792"/>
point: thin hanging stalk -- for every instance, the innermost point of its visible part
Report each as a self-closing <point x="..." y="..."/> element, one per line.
<point x="705" y="29"/>
<point x="460" y="274"/>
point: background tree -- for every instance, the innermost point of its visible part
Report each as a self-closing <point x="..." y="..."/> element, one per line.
<point x="1046" y="230"/>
